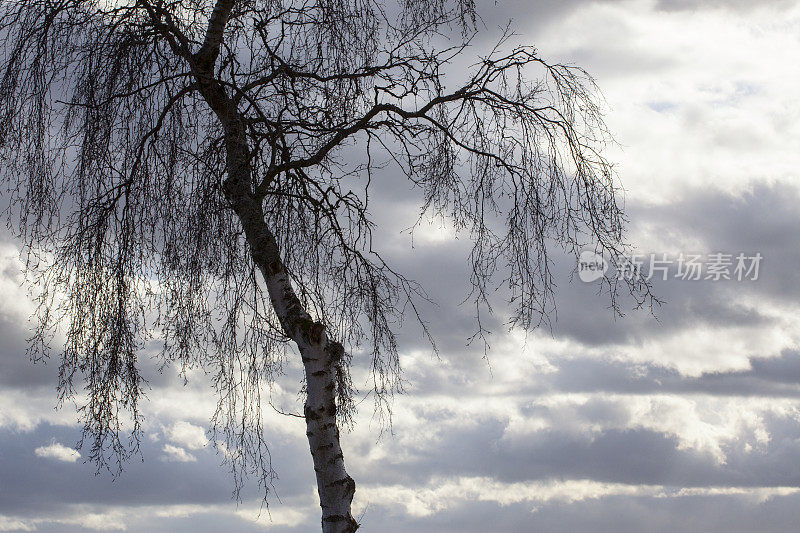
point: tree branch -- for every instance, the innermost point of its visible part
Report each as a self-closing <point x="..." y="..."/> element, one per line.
<point x="209" y="51"/>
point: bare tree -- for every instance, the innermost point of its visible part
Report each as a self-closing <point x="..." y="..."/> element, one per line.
<point x="177" y="170"/>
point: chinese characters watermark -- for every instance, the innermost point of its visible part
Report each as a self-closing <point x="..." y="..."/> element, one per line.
<point x="715" y="266"/>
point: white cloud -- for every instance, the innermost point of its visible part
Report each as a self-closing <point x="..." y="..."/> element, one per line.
<point x="59" y="452"/>
<point x="111" y="521"/>
<point x="178" y="455"/>
<point x="284" y="515"/>
<point x="187" y="435"/>
<point x="23" y="410"/>
<point x="442" y="494"/>
<point x="698" y="98"/>
<point x="15" y="301"/>
<point x="14" y="524"/>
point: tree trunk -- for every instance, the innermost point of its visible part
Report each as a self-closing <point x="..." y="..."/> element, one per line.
<point x="320" y="356"/>
<point x="335" y="486"/>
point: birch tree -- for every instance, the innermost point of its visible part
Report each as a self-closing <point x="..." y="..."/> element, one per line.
<point x="182" y="170"/>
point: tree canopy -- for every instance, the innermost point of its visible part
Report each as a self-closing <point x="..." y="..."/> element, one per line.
<point x="139" y="137"/>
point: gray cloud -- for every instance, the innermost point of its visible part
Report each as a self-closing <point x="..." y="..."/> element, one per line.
<point x="440" y="435"/>
<point x="768" y="376"/>
<point x="730" y="5"/>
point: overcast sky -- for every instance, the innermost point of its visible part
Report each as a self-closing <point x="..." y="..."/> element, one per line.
<point x="687" y="422"/>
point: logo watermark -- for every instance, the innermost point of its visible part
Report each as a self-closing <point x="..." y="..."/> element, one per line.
<point x="717" y="266"/>
<point x="591" y="266"/>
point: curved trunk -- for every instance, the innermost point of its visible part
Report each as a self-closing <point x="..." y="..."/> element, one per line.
<point x="320" y="355"/>
<point x="335" y="486"/>
<point x="320" y="359"/>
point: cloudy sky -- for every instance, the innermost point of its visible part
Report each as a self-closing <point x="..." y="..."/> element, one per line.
<point x="688" y="421"/>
